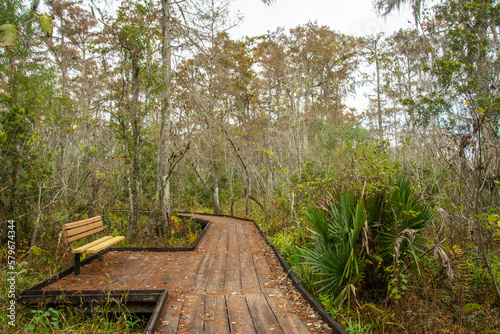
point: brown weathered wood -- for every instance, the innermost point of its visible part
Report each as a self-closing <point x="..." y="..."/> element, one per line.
<point x="223" y="241"/>
<point x="240" y="320"/>
<point x="215" y="245"/>
<point x="213" y="235"/>
<point x="263" y="272"/>
<point x="289" y="321"/>
<point x="145" y="270"/>
<point x="89" y="296"/>
<point x="171" y="316"/>
<point x="215" y="315"/>
<point x="155" y="317"/>
<point x="126" y="275"/>
<point x="158" y="269"/>
<point x="232" y="283"/>
<point x="249" y="280"/>
<point x="193" y="315"/>
<point x="217" y="274"/>
<point x="242" y="238"/>
<point x="200" y="279"/>
<point x="263" y="316"/>
<point x="232" y="243"/>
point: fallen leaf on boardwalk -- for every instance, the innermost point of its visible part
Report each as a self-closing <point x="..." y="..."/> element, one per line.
<point x="166" y="323"/>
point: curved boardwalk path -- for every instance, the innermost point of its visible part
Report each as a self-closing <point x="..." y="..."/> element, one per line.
<point x="232" y="283"/>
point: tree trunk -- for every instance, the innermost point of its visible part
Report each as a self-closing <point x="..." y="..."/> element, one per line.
<point x="135" y="150"/>
<point x="379" y="103"/>
<point x="217" y="210"/>
<point x="179" y="187"/>
<point x="231" y="184"/>
<point x="163" y="163"/>
<point x="95" y="183"/>
<point x="37" y="224"/>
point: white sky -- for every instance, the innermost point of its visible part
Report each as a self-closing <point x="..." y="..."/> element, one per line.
<point x="351" y="17"/>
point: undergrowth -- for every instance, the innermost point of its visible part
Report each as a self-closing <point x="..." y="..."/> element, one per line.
<point x="72" y="320"/>
<point x="444" y="288"/>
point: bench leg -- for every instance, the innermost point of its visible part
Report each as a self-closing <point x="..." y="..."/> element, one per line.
<point x="77" y="264"/>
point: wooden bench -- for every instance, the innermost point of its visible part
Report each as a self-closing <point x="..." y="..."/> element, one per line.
<point x="81" y="229"/>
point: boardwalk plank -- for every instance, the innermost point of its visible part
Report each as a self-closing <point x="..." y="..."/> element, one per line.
<point x="242" y="237"/>
<point x="233" y="273"/>
<point x="263" y="316"/>
<point x="249" y="280"/>
<point x="289" y="322"/>
<point x="232" y="243"/>
<point x="240" y="319"/>
<point x="171" y="316"/>
<point x="217" y="274"/>
<point x="223" y="241"/>
<point x="193" y="313"/>
<point x="213" y="236"/>
<point x="263" y="273"/>
<point x="200" y="279"/>
<point x="216" y="315"/>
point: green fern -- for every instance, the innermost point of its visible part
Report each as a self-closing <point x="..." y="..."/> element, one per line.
<point x="473" y="307"/>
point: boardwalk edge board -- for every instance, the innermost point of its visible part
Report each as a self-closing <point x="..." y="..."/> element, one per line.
<point x="325" y="316"/>
<point x="155" y="316"/>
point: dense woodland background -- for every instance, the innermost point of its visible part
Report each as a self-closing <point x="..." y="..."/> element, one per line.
<point x="134" y="110"/>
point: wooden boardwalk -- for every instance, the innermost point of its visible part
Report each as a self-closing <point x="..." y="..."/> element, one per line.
<point x="232" y="283"/>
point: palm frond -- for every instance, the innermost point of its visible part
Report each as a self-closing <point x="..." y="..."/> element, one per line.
<point x="319" y="221"/>
<point x="385" y="7"/>
<point x="359" y="221"/>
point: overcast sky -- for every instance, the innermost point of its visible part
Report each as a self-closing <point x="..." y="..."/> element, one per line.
<point x="352" y="17"/>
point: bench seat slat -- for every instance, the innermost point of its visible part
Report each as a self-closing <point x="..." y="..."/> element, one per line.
<point x="81" y="222"/>
<point x="99" y="247"/>
<point x="81" y="235"/>
<point x="83" y="249"/>
<point x="81" y="229"/>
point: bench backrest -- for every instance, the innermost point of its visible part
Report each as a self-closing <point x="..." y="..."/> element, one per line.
<point x="81" y="229"/>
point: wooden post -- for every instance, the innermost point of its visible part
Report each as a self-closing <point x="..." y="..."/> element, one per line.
<point x="77" y="264"/>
